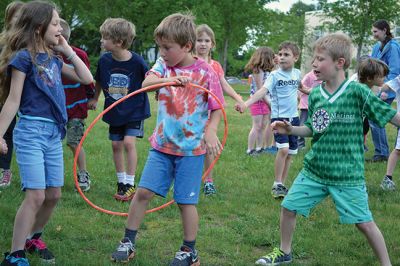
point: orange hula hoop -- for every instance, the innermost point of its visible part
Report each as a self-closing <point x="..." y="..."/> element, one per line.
<point x="148" y="88"/>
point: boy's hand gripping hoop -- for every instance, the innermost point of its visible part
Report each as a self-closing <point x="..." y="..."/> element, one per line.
<point x="118" y="102"/>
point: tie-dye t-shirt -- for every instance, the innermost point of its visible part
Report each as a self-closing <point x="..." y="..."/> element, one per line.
<point x="216" y="66"/>
<point x="183" y="111"/>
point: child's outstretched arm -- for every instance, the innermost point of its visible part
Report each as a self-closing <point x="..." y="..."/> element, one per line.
<point x="396" y="120"/>
<point x="11" y="105"/>
<point x="285" y="127"/>
<point x="213" y="145"/>
<point x="231" y="92"/>
<point x="80" y="72"/>
<point x="260" y="94"/>
<point x="153" y="79"/>
<point x="92" y="103"/>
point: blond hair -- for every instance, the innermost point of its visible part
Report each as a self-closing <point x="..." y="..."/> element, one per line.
<point x="370" y="68"/>
<point x="12" y="10"/>
<point x="337" y="45"/>
<point x="118" y="30"/>
<point x="66" y="32"/>
<point x="204" y="28"/>
<point x="262" y="59"/>
<point x="178" y="28"/>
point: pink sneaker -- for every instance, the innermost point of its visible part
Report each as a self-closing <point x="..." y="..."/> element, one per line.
<point x="39" y="247"/>
<point x="5" y="178"/>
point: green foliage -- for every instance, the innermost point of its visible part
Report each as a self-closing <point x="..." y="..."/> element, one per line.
<point x="355" y="17"/>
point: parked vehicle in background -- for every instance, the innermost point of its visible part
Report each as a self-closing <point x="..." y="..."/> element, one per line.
<point x="233" y="80"/>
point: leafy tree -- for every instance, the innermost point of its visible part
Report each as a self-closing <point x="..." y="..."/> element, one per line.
<point x="355" y="17"/>
<point x="281" y="27"/>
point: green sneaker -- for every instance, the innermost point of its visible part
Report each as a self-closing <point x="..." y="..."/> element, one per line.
<point x="276" y="257"/>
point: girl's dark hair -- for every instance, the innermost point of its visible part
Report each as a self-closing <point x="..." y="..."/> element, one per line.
<point x="27" y="33"/>
<point x="383" y="25"/>
<point x="370" y="68"/>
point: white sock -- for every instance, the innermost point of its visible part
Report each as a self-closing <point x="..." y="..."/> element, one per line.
<point x="248" y="151"/>
<point x="258" y="149"/>
<point x="130" y="179"/>
<point x="121" y="177"/>
<point x="277" y="183"/>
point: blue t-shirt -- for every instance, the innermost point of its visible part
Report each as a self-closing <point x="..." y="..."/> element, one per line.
<point x="282" y="86"/>
<point x="117" y="79"/>
<point x="43" y="92"/>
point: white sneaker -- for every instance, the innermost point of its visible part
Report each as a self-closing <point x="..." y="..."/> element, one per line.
<point x="388" y="184"/>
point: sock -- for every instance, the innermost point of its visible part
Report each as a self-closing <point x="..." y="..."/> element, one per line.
<point x="36" y="235"/>
<point x="248" y="151"/>
<point x="129" y="179"/>
<point x="277" y="183"/>
<point x="189" y="244"/>
<point x="389" y="176"/>
<point x="121" y="177"/>
<point x="131" y="234"/>
<point x="18" y="254"/>
<point x="258" y="149"/>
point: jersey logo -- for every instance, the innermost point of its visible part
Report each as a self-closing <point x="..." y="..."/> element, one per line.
<point x="320" y="120"/>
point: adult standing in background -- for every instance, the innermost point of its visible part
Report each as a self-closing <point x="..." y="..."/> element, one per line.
<point x="388" y="50"/>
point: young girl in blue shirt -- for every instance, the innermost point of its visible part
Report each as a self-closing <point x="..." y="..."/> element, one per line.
<point x="30" y="83"/>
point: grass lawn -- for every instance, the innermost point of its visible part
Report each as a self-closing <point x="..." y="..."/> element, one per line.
<point x="237" y="225"/>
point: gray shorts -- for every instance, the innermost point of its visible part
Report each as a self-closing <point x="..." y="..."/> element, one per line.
<point x="75" y="130"/>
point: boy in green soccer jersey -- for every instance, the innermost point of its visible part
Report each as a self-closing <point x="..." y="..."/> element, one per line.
<point x="335" y="164"/>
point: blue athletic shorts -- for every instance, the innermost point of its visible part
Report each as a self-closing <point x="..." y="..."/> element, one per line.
<point x="133" y="129"/>
<point x="287" y="141"/>
<point x="351" y="201"/>
<point x="186" y="171"/>
<point x="39" y="154"/>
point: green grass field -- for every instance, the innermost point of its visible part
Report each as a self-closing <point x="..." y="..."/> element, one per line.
<point x="237" y="225"/>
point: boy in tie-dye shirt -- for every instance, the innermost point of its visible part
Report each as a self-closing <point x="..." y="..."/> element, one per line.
<point x="180" y="138"/>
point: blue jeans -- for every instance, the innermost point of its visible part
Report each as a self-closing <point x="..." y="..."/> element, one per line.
<point x="39" y="153"/>
<point x="379" y="137"/>
<point x="303" y="118"/>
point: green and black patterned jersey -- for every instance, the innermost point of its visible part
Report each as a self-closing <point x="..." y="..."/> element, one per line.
<point x="336" y="121"/>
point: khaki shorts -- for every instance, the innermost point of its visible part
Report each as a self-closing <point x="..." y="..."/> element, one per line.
<point x="75" y="130"/>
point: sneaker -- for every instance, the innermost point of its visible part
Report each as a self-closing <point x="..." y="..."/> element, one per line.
<point x="39" y="247"/>
<point x="186" y="257"/>
<point x="125" y="251"/>
<point x="128" y="194"/>
<point x="5" y="179"/>
<point x="271" y="150"/>
<point x="279" y="191"/>
<point x="84" y="180"/>
<point x="388" y="184"/>
<point x="11" y="260"/>
<point x="376" y="159"/>
<point x="276" y="257"/>
<point x="120" y="190"/>
<point x="209" y="188"/>
<point x="254" y="152"/>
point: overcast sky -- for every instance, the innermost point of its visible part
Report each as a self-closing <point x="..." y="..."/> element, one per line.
<point x="284" y="5"/>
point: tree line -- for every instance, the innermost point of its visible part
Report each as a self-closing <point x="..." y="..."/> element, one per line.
<point x="239" y="25"/>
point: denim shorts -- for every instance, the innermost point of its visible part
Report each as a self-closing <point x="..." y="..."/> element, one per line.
<point x="39" y="153"/>
<point x="287" y="141"/>
<point x="75" y="130"/>
<point x="186" y="171"/>
<point x="133" y="129"/>
<point x="351" y="201"/>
